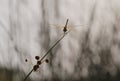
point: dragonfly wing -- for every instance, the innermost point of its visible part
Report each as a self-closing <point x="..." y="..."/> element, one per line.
<point x="55" y="26"/>
<point x="75" y="27"/>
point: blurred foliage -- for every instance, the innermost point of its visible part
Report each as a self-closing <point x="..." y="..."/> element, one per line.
<point x="11" y="75"/>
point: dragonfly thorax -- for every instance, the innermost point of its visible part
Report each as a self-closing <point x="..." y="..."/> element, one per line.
<point x="64" y="29"/>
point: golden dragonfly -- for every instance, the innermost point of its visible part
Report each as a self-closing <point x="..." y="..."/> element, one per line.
<point x="65" y="28"/>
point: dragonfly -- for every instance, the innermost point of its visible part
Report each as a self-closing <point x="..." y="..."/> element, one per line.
<point x="65" y="28"/>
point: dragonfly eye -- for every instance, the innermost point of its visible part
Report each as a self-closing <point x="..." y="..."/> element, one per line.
<point x="64" y="29"/>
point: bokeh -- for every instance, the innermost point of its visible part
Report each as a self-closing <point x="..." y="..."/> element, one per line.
<point x="90" y="52"/>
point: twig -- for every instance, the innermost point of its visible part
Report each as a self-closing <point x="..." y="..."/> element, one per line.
<point x="46" y="54"/>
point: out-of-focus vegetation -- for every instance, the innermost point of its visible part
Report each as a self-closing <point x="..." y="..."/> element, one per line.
<point x="11" y="75"/>
<point x="92" y="54"/>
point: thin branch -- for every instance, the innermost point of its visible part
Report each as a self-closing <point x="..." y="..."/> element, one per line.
<point x="47" y="53"/>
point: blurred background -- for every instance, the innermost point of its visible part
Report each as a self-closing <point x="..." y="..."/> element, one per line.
<point x="90" y="52"/>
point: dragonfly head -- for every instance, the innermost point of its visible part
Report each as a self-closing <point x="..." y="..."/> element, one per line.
<point x="64" y="29"/>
